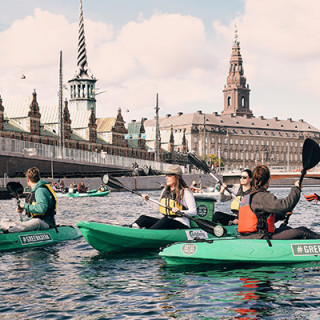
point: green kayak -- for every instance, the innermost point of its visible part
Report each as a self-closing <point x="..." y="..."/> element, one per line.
<point x="109" y="238"/>
<point x="237" y="250"/>
<point x="19" y="240"/>
<point x="85" y="194"/>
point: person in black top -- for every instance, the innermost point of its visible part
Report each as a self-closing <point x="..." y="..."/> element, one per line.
<point x="244" y="189"/>
<point x="261" y="209"/>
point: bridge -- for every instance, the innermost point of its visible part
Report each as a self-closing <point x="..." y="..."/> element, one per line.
<point x="17" y="156"/>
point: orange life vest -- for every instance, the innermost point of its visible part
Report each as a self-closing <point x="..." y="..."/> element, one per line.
<point x="248" y="220"/>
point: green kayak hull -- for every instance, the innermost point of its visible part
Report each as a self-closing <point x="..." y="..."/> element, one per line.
<point x="83" y="195"/>
<point x="242" y="251"/>
<point x="109" y="238"/>
<point x="20" y="240"/>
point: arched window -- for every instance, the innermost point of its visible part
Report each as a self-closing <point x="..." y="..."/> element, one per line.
<point x="229" y="101"/>
<point x="243" y="102"/>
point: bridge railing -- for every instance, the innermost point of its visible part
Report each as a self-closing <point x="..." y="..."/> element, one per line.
<point x="33" y="149"/>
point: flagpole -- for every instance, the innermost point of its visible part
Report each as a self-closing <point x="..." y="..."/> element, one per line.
<point x="61" y="128"/>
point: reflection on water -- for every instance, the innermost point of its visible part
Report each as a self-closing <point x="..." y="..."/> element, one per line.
<point x="73" y="281"/>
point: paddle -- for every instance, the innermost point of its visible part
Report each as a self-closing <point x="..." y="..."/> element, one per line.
<point x="201" y="164"/>
<point x="310" y="158"/>
<point x="210" y="227"/>
<point x="16" y="189"/>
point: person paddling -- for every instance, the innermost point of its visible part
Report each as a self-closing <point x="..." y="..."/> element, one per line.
<point x="40" y="206"/>
<point x="175" y="195"/>
<point x="81" y="187"/>
<point x="261" y="209"/>
<point x="244" y="189"/>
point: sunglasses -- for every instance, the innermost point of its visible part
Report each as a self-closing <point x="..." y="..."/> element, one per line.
<point x="244" y="177"/>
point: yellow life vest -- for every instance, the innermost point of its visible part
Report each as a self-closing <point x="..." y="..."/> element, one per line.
<point x="235" y="204"/>
<point x="168" y="203"/>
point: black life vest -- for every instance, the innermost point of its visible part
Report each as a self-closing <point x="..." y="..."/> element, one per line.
<point x="51" y="211"/>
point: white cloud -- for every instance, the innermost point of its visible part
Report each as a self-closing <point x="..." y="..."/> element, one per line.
<point x="171" y="54"/>
<point x="281" y="51"/>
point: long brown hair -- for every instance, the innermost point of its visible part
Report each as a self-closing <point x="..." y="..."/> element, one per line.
<point x="261" y="175"/>
<point x="180" y="184"/>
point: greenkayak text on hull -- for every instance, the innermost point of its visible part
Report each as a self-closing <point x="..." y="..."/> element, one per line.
<point x="20" y="240"/>
<point x="242" y="251"/>
<point x="109" y="238"/>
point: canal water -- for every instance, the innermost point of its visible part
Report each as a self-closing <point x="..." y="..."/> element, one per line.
<point x="73" y="281"/>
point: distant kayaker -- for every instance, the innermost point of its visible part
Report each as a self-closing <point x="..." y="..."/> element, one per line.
<point x="102" y="188"/>
<point x="40" y="206"/>
<point x="260" y="210"/>
<point x="244" y="189"/>
<point x="175" y="195"/>
<point x="195" y="187"/>
<point x="81" y="187"/>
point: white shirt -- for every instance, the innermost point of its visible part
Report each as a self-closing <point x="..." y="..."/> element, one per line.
<point x="189" y="202"/>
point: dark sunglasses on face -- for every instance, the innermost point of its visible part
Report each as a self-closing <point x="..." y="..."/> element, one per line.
<point x="244" y="177"/>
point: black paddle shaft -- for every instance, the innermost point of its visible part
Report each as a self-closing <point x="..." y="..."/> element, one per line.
<point x="201" y="164"/>
<point x="206" y="225"/>
<point x="310" y="158"/>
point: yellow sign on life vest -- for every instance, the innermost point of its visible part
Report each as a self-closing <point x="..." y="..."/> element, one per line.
<point x="168" y="203"/>
<point x="235" y="204"/>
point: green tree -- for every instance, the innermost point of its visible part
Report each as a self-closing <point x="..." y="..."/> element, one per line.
<point x="213" y="160"/>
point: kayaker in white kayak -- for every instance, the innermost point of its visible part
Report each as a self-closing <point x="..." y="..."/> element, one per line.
<point x="175" y="195"/>
<point x="261" y="209"/>
<point x="245" y="188"/>
<point x="40" y="206"/>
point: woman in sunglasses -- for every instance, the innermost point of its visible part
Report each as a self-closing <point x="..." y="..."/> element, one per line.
<point x="261" y="209"/>
<point x="175" y="195"/>
<point x="244" y="189"/>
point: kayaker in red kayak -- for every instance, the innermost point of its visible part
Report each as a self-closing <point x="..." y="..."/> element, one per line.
<point x="175" y="195"/>
<point x="260" y="210"/>
<point x="244" y="189"/>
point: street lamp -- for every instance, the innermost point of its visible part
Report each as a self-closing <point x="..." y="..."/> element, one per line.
<point x="288" y="163"/>
<point x="219" y="159"/>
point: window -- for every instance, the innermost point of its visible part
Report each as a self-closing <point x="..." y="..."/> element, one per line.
<point x="229" y="101"/>
<point x="257" y="142"/>
<point x="212" y="140"/>
<point x="195" y="139"/>
<point x="236" y="141"/>
<point x="241" y="141"/>
<point x="243" y="102"/>
<point x="247" y="141"/>
<point x="251" y="142"/>
<point x="225" y="141"/>
<point x="231" y="141"/>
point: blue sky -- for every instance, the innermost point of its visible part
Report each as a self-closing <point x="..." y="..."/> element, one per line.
<point x="177" y="48"/>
